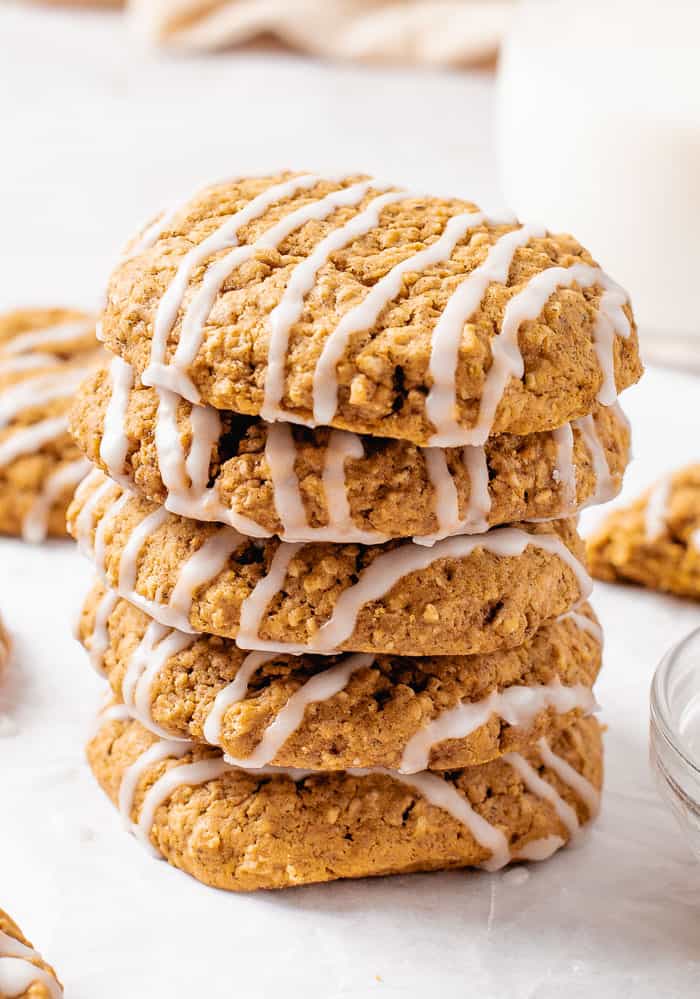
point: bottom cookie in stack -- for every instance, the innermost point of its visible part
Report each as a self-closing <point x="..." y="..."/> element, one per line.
<point x="241" y="830"/>
<point x="23" y="972"/>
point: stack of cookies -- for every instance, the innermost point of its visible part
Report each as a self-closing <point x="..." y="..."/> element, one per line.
<point x="339" y="453"/>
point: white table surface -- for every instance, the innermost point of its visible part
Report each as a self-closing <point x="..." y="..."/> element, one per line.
<point x="96" y="133"/>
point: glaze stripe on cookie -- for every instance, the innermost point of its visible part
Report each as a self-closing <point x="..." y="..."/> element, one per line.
<point x="170" y="376"/>
<point x="517" y="706"/>
<point x="18" y="972"/>
<point x="35" y="523"/>
<point x="291" y="305"/>
<point x="365" y="314"/>
<point x="507" y="359"/>
<point x="47" y="337"/>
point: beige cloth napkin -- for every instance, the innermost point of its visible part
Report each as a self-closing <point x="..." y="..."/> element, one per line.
<point x="427" y="32"/>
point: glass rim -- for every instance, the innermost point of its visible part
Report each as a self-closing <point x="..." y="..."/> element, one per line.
<point x="661" y="714"/>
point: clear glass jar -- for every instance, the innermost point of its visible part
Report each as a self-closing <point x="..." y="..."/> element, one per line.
<point x="675" y="734"/>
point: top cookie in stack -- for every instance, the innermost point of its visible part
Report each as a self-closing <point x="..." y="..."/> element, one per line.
<point x="416" y="398"/>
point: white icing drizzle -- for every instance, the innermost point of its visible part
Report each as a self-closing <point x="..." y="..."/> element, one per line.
<point x="59" y="334"/>
<point x="152" y="233"/>
<point x="543" y="789"/>
<point x="17" y="975"/>
<point x="17" y="972"/>
<point x="192" y="774"/>
<point x="128" y="561"/>
<point x="383" y="573"/>
<point x="36" y="521"/>
<point x="507" y="360"/>
<point x="341" y="446"/>
<point x="256" y="603"/>
<point x="364" y="315"/>
<point x="320" y="687"/>
<point x="85" y="519"/>
<point x="98" y="642"/>
<point x="26" y="362"/>
<point x="38" y="391"/>
<point x="447" y="499"/>
<point x="568" y="775"/>
<point x="301" y="281"/>
<point x="442" y="794"/>
<point x="565" y="469"/>
<point x="156" y="753"/>
<point x="441" y="403"/>
<point x="517" y="706"/>
<point x="111" y="517"/>
<point x="611" y="321"/>
<point x="148" y="659"/>
<point x="437" y="791"/>
<point x="114" y="444"/>
<point x="584" y="624"/>
<point x="114" y="712"/>
<point x="540" y="849"/>
<point x="605" y="487"/>
<point x="187" y="478"/>
<point x="374" y="582"/>
<point x="208" y="561"/>
<point x="27" y="440"/>
<point x="225" y="237"/>
<point x="290" y="307"/>
<point x="205" y="563"/>
<point x="231" y="694"/>
<point x="657" y="508"/>
<point x="280" y="454"/>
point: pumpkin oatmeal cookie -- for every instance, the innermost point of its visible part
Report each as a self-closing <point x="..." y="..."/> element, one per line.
<point x="344" y="303"/>
<point x="306" y="484"/>
<point x="23" y="972"/>
<point x="333" y="712"/>
<point x="243" y="830"/>
<point x="44" y="356"/>
<point x="463" y="595"/>
<point x="654" y="541"/>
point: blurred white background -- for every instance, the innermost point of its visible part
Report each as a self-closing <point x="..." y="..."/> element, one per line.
<point x="99" y="132"/>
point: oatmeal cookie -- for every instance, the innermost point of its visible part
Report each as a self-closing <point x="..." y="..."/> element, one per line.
<point x="655" y="540"/>
<point x="44" y="356"/>
<point x="333" y="712"/>
<point x="306" y="484"/>
<point x="348" y="304"/>
<point x="243" y="830"/>
<point x="464" y="595"/>
<point x="23" y="972"/>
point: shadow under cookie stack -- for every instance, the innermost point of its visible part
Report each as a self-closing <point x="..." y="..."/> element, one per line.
<point x="341" y="607"/>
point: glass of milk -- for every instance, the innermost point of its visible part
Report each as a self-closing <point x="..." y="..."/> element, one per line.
<point x="599" y="135"/>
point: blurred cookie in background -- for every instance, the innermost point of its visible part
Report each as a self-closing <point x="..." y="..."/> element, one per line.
<point x="44" y="356"/>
